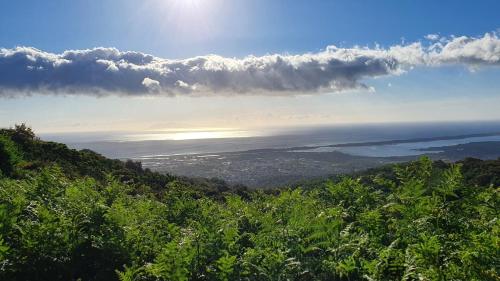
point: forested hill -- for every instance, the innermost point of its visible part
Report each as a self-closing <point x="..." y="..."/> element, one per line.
<point x="32" y="154"/>
<point x="75" y="215"/>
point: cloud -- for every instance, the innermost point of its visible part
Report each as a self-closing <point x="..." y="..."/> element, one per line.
<point x="472" y="52"/>
<point x="108" y="71"/>
<point x="432" y="37"/>
<point x="151" y="84"/>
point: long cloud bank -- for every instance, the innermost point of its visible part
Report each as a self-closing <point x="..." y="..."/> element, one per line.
<point x="108" y="71"/>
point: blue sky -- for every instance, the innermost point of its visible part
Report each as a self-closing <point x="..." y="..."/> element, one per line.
<point x="179" y="29"/>
<point x="235" y="28"/>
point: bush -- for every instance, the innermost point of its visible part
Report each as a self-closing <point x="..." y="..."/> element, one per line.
<point x="9" y="156"/>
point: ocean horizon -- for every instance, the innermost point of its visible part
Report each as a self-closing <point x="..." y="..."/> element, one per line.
<point x="137" y="145"/>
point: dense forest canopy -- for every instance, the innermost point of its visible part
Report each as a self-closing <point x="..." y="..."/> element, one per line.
<point x="75" y="215"/>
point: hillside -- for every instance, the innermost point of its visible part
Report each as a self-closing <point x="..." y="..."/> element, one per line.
<point x="37" y="154"/>
<point x="75" y="215"/>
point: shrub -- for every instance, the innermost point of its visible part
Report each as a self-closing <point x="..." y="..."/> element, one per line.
<point x="9" y="156"/>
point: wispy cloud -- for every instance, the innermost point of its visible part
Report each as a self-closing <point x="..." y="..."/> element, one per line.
<point x="432" y="37"/>
<point x="108" y="71"/>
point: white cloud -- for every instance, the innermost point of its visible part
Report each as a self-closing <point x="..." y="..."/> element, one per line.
<point x="432" y="37"/>
<point x="105" y="71"/>
<point x="468" y="51"/>
<point x="151" y="84"/>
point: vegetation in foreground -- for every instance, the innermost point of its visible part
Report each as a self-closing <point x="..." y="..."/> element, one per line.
<point x="69" y="215"/>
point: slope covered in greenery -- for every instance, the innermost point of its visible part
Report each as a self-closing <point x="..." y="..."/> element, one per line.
<point x="36" y="154"/>
<point x="69" y="215"/>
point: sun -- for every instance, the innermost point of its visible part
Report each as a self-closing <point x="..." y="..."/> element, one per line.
<point x="193" y="7"/>
<point x="186" y="18"/>
<point x="187" y="4"/>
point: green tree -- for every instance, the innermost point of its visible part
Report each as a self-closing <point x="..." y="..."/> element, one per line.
<point x="9" y="156"/>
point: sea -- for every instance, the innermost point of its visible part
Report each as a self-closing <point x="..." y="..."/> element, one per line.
<point x="408" y="139"/>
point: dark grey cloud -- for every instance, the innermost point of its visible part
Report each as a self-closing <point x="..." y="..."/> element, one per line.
<point x="107" y="71"/>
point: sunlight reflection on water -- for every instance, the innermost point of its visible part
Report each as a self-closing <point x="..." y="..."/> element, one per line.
<point x="192" y="135"/>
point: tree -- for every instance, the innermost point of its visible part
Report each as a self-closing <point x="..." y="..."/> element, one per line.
<point x="9" y="156"/>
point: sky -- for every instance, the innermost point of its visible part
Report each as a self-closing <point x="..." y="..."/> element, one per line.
<point x="162" y="64"/>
